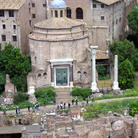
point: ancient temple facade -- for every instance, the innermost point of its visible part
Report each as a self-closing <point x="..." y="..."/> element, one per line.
<point x="60" y="51"/>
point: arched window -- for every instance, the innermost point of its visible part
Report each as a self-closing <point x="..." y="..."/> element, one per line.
<point x="79" y="13"/>
<point x="56" y="14"/>
<point x="51" y="13"/>
<point x="61" y="13"/>
<point x="68" y="12"/>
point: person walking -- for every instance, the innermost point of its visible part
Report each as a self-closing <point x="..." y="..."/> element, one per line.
<point x="93" y="99"/>
<point x="57" y="107"/>
<point x="72" y="101"/>
<point x="44" y="104"/>
<point x="68" y="105"/>
<point x="28" y="108"/>
<point x="33" y="109"/>
<point x="4" y="111"/>
<point x="61" y="105"/>
<point x="54" y="101"/>
<point x="16" y="110"/>
<point x="64" y="105"/>
<point x="19" y="109"/>
<point x="87" y="102"/>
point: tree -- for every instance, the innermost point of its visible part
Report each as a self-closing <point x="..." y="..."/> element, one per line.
<point x="2" y="81"/>
<point x="17" y="66"/>
<point x="133" y="19"/>
<point x="101" y="71"/>
<point x="126" y="75"/>
<point x="125" y="50"/>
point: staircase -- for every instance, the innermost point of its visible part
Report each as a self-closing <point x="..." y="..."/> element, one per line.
<point x="63" y="95"/>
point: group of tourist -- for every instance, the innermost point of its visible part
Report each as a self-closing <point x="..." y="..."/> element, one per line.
<point x="74" y="102"/>
<point x="59" y="106"/>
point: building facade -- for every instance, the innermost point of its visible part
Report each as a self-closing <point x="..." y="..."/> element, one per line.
<point x="60" y="37"/>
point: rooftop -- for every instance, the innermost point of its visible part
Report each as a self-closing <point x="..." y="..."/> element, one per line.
<point x="108" y="2"/>
<point x="11" y="4"/>
<point x="57" y="23"/>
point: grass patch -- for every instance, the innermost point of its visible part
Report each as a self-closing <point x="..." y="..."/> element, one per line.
<point x="13" y="107"/>
<point x="94" y="109"/>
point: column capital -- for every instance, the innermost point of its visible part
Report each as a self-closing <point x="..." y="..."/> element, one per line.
<point x="51" y="65"/>
<point x="93" y="47"/>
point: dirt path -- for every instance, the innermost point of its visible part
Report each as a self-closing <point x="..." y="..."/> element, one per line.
<point x="51" y="108"/>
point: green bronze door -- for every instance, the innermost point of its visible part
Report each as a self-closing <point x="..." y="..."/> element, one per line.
<point x="61" y="77"/>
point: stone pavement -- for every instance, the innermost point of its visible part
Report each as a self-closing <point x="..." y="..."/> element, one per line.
<point x="51" y="108"/>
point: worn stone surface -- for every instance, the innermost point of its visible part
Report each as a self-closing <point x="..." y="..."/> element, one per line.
<point x="9" y="88"/>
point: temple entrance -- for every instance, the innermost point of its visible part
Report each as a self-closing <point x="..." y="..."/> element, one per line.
<point x="61" y="77"/>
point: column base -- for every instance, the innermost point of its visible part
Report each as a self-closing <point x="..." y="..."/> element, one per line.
<point x="115" y="86"/>
<point x="94" y="87"/>
<point x="53" y="84"/>
<point x="71" y="84"/>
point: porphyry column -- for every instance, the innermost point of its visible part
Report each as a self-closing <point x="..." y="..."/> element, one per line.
<point x="52" y="76"/>
<point x="71" y="75"/>
<point x="94" y="84"/>
<point x="115" y="83"/>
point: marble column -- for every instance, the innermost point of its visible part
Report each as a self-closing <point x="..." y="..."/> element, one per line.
<point x="115" y="83"/>
<point x="71" y="75"/>
<point x="94" y="84"/>
<point x="52" y="76"/>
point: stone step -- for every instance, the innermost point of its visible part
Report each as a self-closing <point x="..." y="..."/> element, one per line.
<point x="62" y="89"/>
<point x="63" y="96"/>
<point x="63" y="93"/>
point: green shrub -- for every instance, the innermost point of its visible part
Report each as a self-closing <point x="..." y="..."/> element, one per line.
<point x="2" y="81"/>
<point x="20" y="97"/>
<point x="45" y="95"/>
<point x="133" y="106"/>
<point x="84" y="92"/>
<point x="126" y="75"/>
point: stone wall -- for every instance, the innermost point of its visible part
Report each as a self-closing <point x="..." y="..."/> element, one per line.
<point x="9" y="88"/>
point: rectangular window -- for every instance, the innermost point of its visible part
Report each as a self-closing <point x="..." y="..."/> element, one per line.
<point x="33" y="4"/>
<point x="102" y="5"/>
<point x="30" y="22"/>
<point x="14" y="38"/>
<point x="116" y="21"/>
<point x="94" y="5"/>
<point x="14" y="26"/>
<point x="120" y="19"/>
<point x="11" y="13"/>
<point x="1" y="13"/>
<point x="102" y="17"/>
<point x="3" y="37"/>
<point x="4" y="26"/>
<point x="44" y="5"/>
<point x="33" y="15"/>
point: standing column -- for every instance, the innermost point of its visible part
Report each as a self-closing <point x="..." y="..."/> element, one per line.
<point x="115" y="83"/>
<point x="52" y="76"/>
<point x="71" y="75"/>
<point x="94" y="84"/>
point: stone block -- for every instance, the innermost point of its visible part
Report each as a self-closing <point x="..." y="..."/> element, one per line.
<point x="63" y="124"/>
<point x="44" y="134"/>
<point x="118" y="125"/>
